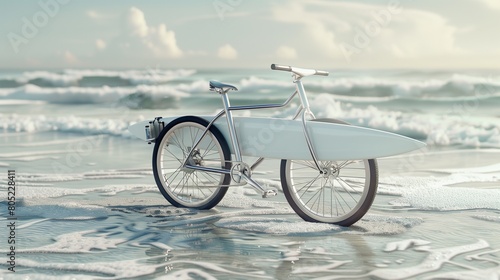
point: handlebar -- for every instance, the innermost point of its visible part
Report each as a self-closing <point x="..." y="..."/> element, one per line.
<point x="281" y="67"/>
<point x="299" y="71"/>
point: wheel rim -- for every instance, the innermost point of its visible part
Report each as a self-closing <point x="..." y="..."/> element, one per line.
<point x="332" y="196"/>
<point x="188" y="187"/>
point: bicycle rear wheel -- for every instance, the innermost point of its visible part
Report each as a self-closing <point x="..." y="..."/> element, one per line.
<point x="185" y="187"/>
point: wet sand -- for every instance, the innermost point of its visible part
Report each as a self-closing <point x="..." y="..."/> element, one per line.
<point x="88" y="207"/>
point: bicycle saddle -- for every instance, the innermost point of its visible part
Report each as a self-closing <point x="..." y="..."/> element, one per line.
<point x="216" y="84"/>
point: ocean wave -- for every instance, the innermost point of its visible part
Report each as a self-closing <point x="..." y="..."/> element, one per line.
<point x="86" y="126"/>
<point x="436" y="100"/>
<point x="256" y="82"/>
<point x="417" y="86"/>
<point x="444" y="88"/>
<point x="441" y="130"/>
<point x="76" y="86"/>
<point x="132" y="96"/>
<point x="86" y="78"/>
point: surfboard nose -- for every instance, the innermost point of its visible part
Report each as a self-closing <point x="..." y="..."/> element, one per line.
<point x="401" y="144"/>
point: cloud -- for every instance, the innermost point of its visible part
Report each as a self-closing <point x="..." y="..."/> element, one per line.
<point x="137" y="22"/>
<point x="318" y="25"/>
<point x="285" y="52"/>
<point x="100" y="44"/>
<point x="493" y="4"/>
<point x="70" y="58"/>
<point x="343" y="30"/>
<point x="140" y="37"/>
<point x="227" y="52"/>
<point x="92" y="14"/>
<point x="96" y="15"/>
<point x="420" y="34"/>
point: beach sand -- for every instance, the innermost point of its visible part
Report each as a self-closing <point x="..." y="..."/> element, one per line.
<point x="103" y="217"/>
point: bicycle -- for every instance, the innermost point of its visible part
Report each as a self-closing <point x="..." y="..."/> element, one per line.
<point x="334" y="180"/>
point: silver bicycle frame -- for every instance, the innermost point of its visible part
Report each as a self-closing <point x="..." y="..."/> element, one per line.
<point x="232" y="131"/>
<point x="304" y="109"/>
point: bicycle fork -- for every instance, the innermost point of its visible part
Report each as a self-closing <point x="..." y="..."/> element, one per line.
<point x="305" y="110"/>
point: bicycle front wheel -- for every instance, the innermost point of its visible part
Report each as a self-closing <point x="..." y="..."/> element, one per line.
<point x="340" y="193"/>
<point x="185" y="187"/>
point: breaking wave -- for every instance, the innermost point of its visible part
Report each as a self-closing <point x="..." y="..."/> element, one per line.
<point x="440" y="108"/>
<point x="454" y="85"/>
<point x="91" y="78"/>
<point x="130" y="96"/>
<point x="439" y="130"/>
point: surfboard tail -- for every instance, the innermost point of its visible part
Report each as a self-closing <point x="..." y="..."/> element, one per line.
<point x="139" y="130"/>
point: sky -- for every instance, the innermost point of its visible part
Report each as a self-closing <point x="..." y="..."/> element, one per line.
<point x="389" y="34"/>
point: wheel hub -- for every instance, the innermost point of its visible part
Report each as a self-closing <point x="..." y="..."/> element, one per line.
<point x="331" y="171"/>
<point x="194" y="160"/>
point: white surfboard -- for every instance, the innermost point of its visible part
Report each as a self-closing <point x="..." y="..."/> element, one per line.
<point x="285" y="139"/>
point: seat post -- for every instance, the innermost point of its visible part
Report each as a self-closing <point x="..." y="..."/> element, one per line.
<point x="230" y="125"/>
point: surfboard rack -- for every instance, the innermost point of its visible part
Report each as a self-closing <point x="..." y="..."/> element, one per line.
<point x="153" y="129"/>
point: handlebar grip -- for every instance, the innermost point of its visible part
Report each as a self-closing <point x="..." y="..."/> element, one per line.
<point x="281" y="67"/>
<point x="321" y="73"/>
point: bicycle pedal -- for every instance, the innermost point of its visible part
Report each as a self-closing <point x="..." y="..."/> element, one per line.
<point x="269" y="193"/>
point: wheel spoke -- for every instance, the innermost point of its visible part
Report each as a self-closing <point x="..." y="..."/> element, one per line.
<point x="189" y="187"/>
<point x="346" y="189"/>
<point x="178" y="159"/>
<point x="308" y="185"/>
<point x="307" y="164"/>
<point x="335" y="195"/>
<point x="305" y="192"/>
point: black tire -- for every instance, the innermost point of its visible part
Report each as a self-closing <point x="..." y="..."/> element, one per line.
<point x="184" y="187"/>
<point x="349" y="196"/>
